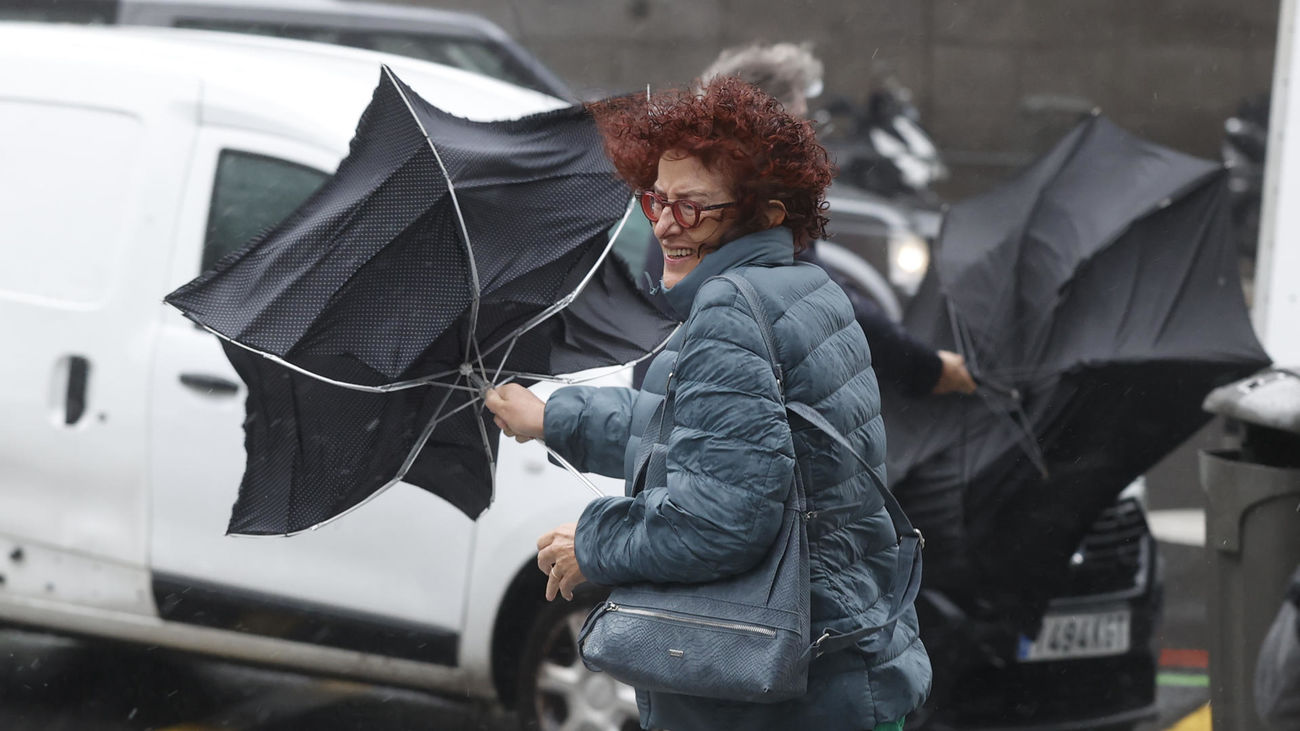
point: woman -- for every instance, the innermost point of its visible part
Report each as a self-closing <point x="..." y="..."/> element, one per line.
<point x="734" y="184"/>
<point x="792" y="74"/>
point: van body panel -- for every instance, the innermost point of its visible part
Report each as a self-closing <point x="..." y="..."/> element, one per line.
<point x="46" y="573"/>
<point x="93" y="165"/>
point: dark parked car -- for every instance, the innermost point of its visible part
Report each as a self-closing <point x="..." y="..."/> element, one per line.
<point x="1093" y="665"/>
<point x="455" y="39"/>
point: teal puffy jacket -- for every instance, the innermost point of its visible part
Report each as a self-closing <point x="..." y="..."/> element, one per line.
<point x="731" y="457"/>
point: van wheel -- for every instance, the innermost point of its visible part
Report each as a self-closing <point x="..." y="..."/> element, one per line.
<point x="556" y="691"/>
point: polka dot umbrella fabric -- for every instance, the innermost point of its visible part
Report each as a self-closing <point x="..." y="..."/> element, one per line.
<point x="443" y="254"/>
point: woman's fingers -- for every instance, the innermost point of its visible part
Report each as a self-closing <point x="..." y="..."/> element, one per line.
<point x="561" y="583"/>
<point x="552" y="586"/>
<point x="556" y="557"/>
<point x="546" y="557"/>
<point x="569" y="582"/>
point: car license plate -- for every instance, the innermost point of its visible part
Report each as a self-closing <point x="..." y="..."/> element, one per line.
<point x="1069" y="636"/>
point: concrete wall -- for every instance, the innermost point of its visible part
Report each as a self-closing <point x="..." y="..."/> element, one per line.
<point x="1171" y="70"/>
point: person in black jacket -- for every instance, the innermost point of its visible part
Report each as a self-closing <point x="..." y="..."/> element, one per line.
<point x="913" y="367"/>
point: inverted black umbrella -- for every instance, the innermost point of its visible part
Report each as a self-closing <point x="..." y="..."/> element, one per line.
<point x="444" y="256"/>
<point x="1096" y="298"/>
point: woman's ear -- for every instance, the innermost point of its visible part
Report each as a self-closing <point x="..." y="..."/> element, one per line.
<point x="774" y="214"/>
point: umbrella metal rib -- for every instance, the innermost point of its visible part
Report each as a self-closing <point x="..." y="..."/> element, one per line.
<point x="599" y="373"/>
<point x="567" y="299"/>
<point x="406" y="466"/>
<point x="430" y="380"/>
<point x="987" y="390"/>
<point x="474" y="378"/>
<point x="471" y="347"/>
<point x="480" y="379"/>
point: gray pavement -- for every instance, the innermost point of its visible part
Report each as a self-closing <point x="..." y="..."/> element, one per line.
<point x="56" y="684"/>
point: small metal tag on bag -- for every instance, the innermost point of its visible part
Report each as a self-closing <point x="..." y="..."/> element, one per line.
<point x="676" y="653"/>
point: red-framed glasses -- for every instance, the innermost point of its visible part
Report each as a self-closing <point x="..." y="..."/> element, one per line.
<point x="685" y="212"/>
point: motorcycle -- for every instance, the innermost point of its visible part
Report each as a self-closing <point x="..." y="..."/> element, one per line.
<point x="881" y="146"/>
<point x="1245" y="141"/>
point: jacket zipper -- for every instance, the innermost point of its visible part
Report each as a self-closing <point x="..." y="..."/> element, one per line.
<point x="751" y="628"/>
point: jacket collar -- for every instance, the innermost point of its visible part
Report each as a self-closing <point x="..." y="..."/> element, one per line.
<point x="772" y="247"/>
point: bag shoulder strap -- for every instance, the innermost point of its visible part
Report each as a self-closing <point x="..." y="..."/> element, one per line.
<point x="797" y="492"/>
<point x="650" y="469"/>
<point x="764" y="327"/>
<point x="907" y="579"/>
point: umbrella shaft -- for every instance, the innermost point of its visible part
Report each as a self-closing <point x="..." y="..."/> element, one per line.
<point x="565" y="464"/>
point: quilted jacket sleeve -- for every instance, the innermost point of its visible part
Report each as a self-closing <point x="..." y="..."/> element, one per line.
<point x="730" y="463"/>
<point x="590" y="426"/>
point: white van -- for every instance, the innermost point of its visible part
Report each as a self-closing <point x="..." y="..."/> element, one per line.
<point x="130" y="158"/>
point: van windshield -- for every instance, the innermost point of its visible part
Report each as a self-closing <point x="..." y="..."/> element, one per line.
<point x="479" y="55"/>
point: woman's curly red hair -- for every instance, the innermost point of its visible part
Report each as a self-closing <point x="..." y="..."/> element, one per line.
<point x="731" y="127"/>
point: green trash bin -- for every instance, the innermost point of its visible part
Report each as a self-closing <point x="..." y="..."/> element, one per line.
<point x="1252" y="534"/>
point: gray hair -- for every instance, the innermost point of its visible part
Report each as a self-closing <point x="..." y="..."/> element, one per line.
<point x="781" y="69"/>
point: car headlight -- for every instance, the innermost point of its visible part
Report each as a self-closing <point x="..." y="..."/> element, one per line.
<point x="909" y="257"/>
<point x="1136" y="490"/>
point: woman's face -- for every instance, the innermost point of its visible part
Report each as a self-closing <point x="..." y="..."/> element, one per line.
<point x="683" y="176"/>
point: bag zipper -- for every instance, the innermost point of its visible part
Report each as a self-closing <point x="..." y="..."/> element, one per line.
<point x="637" y="611"/>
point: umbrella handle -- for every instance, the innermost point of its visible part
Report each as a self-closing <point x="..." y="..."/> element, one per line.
<point x="468" y="371"/>
<point x="998" y="389"/>
<point x="565" y="464"/>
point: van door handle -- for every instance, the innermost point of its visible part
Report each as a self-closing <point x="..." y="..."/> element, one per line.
<point x="211" y="385"/>
<point x="74" y="401"/>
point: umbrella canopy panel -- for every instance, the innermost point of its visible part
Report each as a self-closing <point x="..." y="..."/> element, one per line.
<point x="1011" y="255"/>
<point x="316" y="451"/>
<point x="467" y="229"/>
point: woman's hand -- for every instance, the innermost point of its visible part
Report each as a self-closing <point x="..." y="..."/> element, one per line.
<point x="517" y="411"/>
<point x="556" y="559"/>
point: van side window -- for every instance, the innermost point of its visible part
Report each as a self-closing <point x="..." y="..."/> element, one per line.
<point x="253" y="193"/>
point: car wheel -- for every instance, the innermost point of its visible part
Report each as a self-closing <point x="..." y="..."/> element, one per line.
<point x="556" y="691"/>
